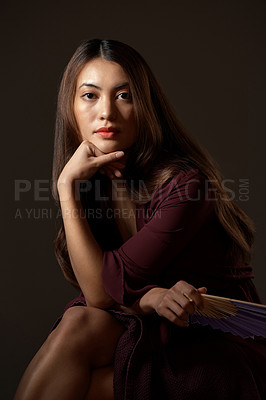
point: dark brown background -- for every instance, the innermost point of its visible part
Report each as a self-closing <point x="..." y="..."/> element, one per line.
<point x="210" y="59"/>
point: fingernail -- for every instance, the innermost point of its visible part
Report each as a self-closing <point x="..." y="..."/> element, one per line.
<point x="119" y="154"/>
<point x="117" y="173"/>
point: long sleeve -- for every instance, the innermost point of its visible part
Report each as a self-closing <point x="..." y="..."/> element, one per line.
<point x="177" y="211"/>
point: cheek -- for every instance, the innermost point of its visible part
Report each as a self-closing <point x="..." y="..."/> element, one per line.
<point x="83" y="117"/>
<point x="77" y="114"/>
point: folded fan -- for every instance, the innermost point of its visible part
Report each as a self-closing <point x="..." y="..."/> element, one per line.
<point x="240" y="318"/>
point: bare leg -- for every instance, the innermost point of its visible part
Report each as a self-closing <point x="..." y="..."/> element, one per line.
<point x="85" y="339"/>
<point x="101" y="387"/>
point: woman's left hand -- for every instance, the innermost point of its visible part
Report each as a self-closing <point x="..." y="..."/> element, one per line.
<point x="174" y="304"/>
<point x="178" y="302"/>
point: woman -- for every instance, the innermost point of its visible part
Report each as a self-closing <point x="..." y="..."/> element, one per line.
<point x="147" y="225"/>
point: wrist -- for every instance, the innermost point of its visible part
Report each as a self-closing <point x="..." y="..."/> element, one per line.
<point x="148" y="302"/>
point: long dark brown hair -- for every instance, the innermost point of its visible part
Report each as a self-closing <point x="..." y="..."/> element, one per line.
<point x="160" y="137"/>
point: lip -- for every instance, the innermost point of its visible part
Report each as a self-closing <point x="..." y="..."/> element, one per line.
<point x="107" y="132"/>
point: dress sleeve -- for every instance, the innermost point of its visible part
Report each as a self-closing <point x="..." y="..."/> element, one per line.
<point x="177" y="211"/>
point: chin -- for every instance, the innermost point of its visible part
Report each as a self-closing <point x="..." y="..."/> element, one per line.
<point x="107" y="146"/>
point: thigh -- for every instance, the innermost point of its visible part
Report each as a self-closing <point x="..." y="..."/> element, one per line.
<point x="106" y="333"/>
<point x="101" y="387"/>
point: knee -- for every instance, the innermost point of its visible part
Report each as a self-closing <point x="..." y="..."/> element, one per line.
<point x="79" y="320"/>
<point x="75" y="319"/>
<point x="83" y="321"/>
<point x="73" y="332"/>
<point x="83" y="329"/>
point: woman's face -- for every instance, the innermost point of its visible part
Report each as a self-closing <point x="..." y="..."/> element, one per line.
<point x="103" y="106"/>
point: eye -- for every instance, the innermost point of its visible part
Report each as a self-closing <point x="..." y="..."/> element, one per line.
<point x="89" y="96"/>
<point x="125" y="96"/>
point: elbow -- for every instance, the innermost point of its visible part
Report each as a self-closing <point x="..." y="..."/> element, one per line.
<point x="102" y="303"/>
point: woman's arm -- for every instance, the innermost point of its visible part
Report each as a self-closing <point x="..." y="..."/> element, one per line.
<point x="174" y="304"/>
<point x="85" y="254"/>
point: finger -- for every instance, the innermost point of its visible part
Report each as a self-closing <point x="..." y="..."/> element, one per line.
<point x="117" y="173"/>
<point x="202" y="290"/>
<point x="90" y="148"/>
<point x="187" y="303"/>
<point x="180" y="297"/>
<point x="94" y="151"/>
<point x="116" y="165"/>
<point x="176" y="308"/>
<point x="107" y="158"/>
<point x="172" y="317"/>
<point x="109" y="173"/>
<point x="194" y="298"/>
<point x="190" y="293"/>
<point x="114" y="170"/>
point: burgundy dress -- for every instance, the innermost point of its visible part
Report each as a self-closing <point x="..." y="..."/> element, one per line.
<point x="180" y="238"/>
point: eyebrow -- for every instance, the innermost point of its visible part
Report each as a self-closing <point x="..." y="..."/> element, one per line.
<point x="99" y="88"/>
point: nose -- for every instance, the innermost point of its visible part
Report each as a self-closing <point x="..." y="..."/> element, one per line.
<point x="107" y="109"/>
